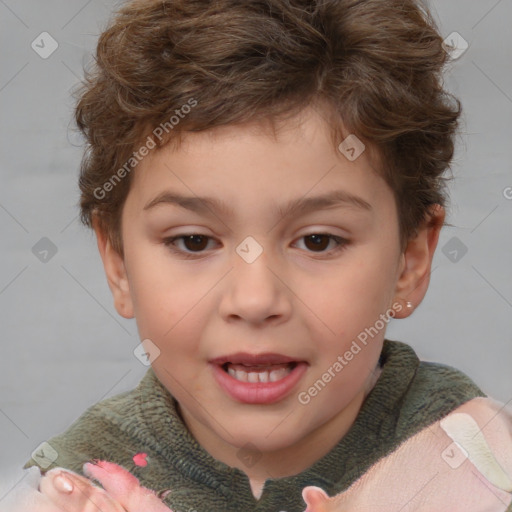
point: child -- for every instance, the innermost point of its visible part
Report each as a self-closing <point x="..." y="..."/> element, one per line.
<point x="226" y="140"/>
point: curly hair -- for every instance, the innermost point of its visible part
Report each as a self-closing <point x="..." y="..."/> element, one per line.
<point x="377" y="64"/>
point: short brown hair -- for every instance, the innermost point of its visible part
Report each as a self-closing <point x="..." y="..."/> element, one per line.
<point x="377" y="64"/>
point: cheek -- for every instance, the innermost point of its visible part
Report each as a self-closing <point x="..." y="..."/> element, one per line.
<point x="356" y="292"/>
<point x="170" y="309"/>
<point x="162" y="293"/>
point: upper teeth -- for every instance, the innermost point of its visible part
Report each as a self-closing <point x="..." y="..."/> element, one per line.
<point x="263" y="376"/>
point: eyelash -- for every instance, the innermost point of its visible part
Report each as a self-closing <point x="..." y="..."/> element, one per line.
<point x="169" y="243"/>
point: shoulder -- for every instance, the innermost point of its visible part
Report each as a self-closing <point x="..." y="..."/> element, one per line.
<point x="99" y="433"/>
<point x="444" y="382"/>
<point x="434" y="390"/>
<point x="464" y="458"/>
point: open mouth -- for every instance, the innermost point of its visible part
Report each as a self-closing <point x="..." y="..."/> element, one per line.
<point x="259" y="373"/>
<point x="258" y="379"/>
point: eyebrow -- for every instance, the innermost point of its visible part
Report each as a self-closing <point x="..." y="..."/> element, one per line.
<point x="205" y="205"/>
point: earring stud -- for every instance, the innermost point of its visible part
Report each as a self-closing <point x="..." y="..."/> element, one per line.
<point x="409" y="304"/>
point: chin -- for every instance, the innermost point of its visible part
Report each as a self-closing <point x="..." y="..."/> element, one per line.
<point x="264" y="440"/>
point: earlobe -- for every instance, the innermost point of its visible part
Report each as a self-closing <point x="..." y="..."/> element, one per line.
<point x="115" y="272"/>
<point x="416" y="262"/>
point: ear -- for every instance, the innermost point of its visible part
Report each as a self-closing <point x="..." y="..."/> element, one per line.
<point x="414" y="276"/>
<point x="115" y="271"/>
<point x="314" y="497"/>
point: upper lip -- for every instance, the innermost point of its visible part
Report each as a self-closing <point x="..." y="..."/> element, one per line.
<point x="254" y="359"/>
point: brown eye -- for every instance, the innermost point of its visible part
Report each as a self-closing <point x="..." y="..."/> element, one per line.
<point x="195" y="242"/>
<point x="189" y="246"/>
<point x="318" y="242"/>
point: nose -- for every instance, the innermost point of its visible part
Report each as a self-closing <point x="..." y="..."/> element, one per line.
<point x="256" y="291"/>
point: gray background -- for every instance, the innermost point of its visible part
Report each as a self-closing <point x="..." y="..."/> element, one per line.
<point x="63" y="345"/>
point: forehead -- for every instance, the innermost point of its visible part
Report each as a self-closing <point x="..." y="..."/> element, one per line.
<point x="291" y="166"/>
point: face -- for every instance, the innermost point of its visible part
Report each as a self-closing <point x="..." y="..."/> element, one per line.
<point x="259" y="278"/>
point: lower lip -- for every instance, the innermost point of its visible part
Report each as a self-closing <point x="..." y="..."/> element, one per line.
<point x="258" y="392"/>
